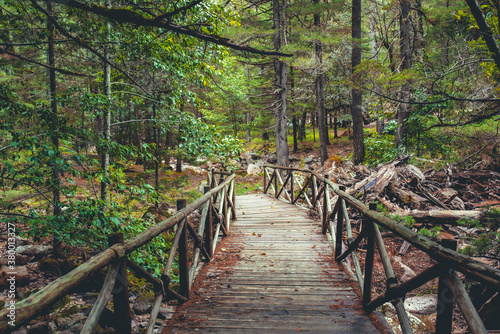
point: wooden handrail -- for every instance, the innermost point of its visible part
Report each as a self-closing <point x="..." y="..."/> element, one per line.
<point x="29" y="307"/>
<point x="447" y="258"/>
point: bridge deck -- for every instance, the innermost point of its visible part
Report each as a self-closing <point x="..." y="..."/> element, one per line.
<point x="274" y="273"/>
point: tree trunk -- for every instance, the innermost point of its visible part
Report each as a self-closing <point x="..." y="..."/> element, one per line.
<point x="357" y="99"/>
<point x="302" y="128"/>
<point x="56" y="181"/>
<point x="106" y="128"/>
<point x="157" y="155"/>
<point x="419" y="33"/>
<point x="405" y="92"/>
<point x="294" y="116"/>
<point x="485" y="29"/>
<point x="320" y="99"/>
<point x="249" y="114"/>
<point x="168" y="145"/>
<point x="281" y="76"/>
<point x="335" y="120"/>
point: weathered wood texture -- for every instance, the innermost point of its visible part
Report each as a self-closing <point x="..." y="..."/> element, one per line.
<point x="284" y="279"/>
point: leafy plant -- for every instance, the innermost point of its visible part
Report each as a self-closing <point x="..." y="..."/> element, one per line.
<point x="432" y="233"/>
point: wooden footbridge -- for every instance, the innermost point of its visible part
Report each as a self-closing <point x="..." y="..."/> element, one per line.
<point x="280" y="278"/>
<point x="277" y="269"/>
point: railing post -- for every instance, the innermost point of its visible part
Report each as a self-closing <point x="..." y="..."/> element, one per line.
<point x="208" y="225"/>
<point x="276" y="183"/>
<point x="325" y="205"/>
<point x="292" y="194"/>
<point x="122" y="316"/>
<point x="232" y="186"/>
<point x="265" y="179"/>
<point x="314" y="189"/>
<point x="445" y="295"/>
<point x="370" y="254"/>
<point x="210" y="177"/>
<point x="340" y="227"/>
<point x="224" y="208"/>
<point x="183" y="255"/>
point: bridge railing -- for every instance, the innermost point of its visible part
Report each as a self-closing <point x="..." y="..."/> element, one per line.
<point x="330" y="201"/>
<point x="217" y="209"/>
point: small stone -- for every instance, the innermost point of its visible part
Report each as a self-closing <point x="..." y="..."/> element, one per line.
<point x="421" y="304"/>
<point x="253" y="169"/>
<point x="309" y="159"/>
<point x="142" y="308"/>
<point x="34" y="250"/>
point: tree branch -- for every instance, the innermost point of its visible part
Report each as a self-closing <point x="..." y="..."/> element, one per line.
<point x="128" y="16"/>
<point x="85" y="45"/>
<point x="59" y="70"/>
<point x="177" y="11"/>
<point x="485" y="31"/>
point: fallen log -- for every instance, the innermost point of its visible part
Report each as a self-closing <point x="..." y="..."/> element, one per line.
<point x="442" y="216"/>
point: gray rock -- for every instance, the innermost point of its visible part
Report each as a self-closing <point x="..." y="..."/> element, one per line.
<point x="34" y="250"/>
<point x="142" y="308"/>
<point x="309" y="159"/>
<point x="421" y="304"/>
<point x="253" y="169"/>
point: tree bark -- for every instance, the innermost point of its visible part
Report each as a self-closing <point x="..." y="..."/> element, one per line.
<point x="320" y="94"/>
<point x="56" y="181"/>
<point x="281" y="76"/>
<point x="302" y="128"/>
<point x="405" y="91"/>
<point x="249" y="114"/>
<point x="294" y="116"/>
<point x="356" y="95"/>
<point x="106" y="128"/>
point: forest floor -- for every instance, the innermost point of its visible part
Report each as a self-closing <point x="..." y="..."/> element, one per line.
<point x="41" y="267"/>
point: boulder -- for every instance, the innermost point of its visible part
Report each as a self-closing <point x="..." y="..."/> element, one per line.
<point x="253" y="169"/>
<point x="421" y="304"/>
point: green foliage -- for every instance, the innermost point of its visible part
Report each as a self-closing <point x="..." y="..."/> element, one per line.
<point x="242" y="189"/>
<point x="432" y="233"/>
<point x="489" y="239"/>
<point x="380" y="149"/>
<point x="469" y="222"/>
<point x="407" y="221"/>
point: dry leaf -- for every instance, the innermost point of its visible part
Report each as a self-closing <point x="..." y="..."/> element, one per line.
<point x="262" y="253"/>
